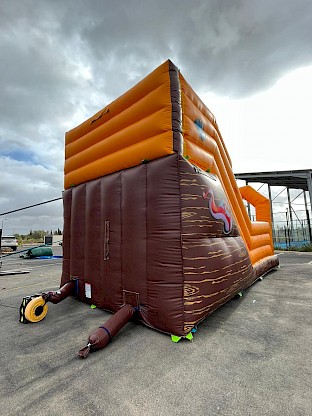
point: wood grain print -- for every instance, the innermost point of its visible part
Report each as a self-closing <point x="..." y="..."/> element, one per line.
<point x="216" y="264"/>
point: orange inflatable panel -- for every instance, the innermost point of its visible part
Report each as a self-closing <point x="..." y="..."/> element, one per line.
<point x="154" y="80"/>
<point x="138" y="153"/>
<point x="148" y="110"/>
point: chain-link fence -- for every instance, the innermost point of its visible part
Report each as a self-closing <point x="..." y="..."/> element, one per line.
<point x="291" y="232"/>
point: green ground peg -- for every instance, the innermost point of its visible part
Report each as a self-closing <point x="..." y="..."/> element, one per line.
<point x="175" y="338"/>
<point x="189" y="336"/>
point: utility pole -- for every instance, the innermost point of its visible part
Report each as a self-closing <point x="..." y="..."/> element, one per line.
<point x="1" y="241"/>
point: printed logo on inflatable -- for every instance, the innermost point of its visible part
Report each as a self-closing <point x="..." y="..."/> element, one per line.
<point x="200" y="129"/>
<point x="219" y="212"/>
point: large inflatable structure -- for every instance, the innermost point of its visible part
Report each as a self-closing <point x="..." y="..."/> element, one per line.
<point x="154" y="222"/>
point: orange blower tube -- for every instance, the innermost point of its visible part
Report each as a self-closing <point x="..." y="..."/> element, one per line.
<point x="104" y="334"/>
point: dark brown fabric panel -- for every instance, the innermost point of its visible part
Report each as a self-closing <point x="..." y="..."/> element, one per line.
<point x="110" y="283"/>
<point x="67" y="198"/>
<point x="266" y="265"/>
<point x="214" y="271"/>
<point x="133" y="213"/>
<point x="77" y="235"/>
<point x="164" y="261"/>
<point x="175" y="91"/>
<point x="92" y="246"/>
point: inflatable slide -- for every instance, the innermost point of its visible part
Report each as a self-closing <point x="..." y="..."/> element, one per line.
<point x="153" y="218"/>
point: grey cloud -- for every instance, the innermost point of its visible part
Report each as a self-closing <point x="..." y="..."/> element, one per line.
<point x="63" y="60"/>
<point x="234" y="48"/>
<point x="23" y="184"/>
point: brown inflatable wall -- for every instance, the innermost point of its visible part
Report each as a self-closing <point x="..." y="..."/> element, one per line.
<point x="165" y="254"/>
<point x="144" y="266"/>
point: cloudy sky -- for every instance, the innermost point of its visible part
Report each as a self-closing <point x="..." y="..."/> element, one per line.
<point x="61" y="61"/>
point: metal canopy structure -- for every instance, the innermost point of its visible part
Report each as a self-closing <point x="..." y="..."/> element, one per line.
<point x="293" y="179"/>
<point x="289" y="179"/>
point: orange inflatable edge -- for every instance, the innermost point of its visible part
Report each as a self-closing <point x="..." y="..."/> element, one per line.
<point x="142" y="152"/>
<point x="134" y="94"/>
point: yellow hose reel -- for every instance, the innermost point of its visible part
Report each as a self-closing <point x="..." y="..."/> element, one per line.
<point x="33" y="309"/>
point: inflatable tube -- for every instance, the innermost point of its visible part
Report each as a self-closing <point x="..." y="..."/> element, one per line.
<point x="36" y="309"/>
<point x="104" y="334"/>
<point x="61" y="294"/>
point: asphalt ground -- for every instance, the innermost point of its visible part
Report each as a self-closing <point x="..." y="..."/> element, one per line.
<point x="250" y="357"/>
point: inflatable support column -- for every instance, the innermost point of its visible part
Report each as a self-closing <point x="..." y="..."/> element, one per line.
<point x="104" y="333"/>
<point x="61" y="294"/>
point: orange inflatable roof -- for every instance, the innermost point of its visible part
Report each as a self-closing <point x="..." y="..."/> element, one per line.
<point x="158" y="116"/>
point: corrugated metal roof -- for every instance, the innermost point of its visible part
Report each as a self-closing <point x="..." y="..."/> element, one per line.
<point x="294" y="179"/>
